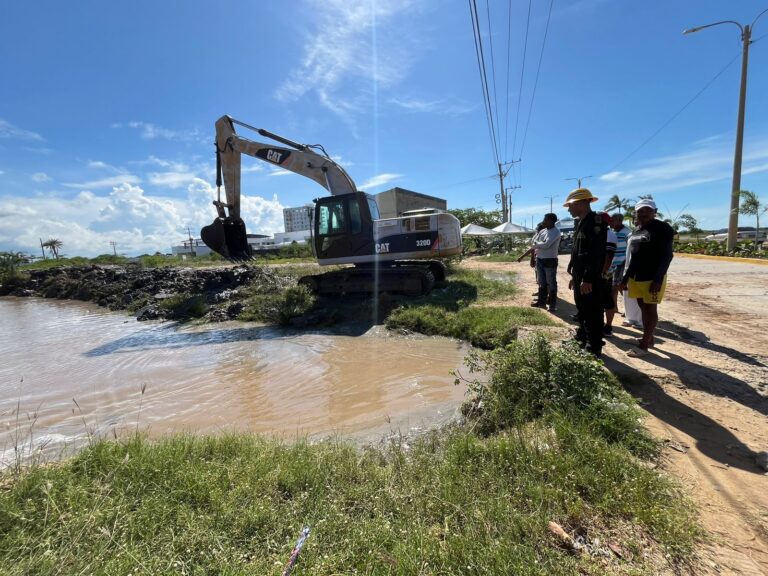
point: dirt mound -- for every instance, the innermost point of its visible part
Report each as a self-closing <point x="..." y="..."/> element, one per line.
<point x="152" y="293"/>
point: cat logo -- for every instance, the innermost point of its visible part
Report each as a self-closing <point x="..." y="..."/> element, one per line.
<point x="274" y="156"/>
<point x="382" y="248"/>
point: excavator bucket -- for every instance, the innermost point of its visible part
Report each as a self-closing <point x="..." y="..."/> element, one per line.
<point x="227" y="237"/>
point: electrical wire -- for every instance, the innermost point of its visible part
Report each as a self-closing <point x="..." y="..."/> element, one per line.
<point x="536" y="82"/>
<point x="675" y="115"/>
<point x="522" y="74"/>
<point x="483" y="76"/>
<point x="506" y="91"/>
<point x="493" y="70"/>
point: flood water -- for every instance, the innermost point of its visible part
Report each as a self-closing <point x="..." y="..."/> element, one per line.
<point x="70" y="369"/>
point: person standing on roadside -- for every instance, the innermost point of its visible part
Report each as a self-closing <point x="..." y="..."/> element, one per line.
<point x="532" y="252"/>
<point x="546" y="245"/>
<point x="586" y="269"/>
<point x="633" y="317"/>
<point x="646" y="275"/>
<point x="616" y="270"/>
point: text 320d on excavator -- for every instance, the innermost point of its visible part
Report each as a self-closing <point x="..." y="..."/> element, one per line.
<point x="389" y="255"/>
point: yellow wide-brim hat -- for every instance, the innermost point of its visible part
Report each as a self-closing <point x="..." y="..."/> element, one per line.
<point x="579" y="194"/>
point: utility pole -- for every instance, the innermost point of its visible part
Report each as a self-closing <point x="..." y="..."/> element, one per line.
<point x="114" y="246"/>
<point x="505" y="204"/>
<point x="746" y="39"/>
<point x="191" y="245"/>
<point x="551" y="199"/>
<point x="579" y="179"/>
<point x="509" y="202"/>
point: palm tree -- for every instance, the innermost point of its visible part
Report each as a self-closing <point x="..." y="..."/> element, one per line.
<point x="616" y="203"/>
<point x="10" y="261"/>
<point x="751" y="206"/>
<point x="53" y="244"/>
<point x="623" y="205"/>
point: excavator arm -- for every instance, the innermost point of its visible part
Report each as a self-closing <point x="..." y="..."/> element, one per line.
<point x="227" y="235"/>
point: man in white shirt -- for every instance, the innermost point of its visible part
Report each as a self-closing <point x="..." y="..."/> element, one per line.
<point x="546" y="244"/>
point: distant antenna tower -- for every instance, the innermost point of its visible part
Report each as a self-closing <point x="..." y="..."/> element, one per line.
<point x="114" y="246"/>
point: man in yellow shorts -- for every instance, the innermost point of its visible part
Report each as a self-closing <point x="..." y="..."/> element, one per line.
<point x="642" y="290"/>
<point x="646" y="276"/>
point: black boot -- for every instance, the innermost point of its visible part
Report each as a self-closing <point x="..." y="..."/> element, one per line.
<point x="541" y="298"/>
<point x="552" y="302"/>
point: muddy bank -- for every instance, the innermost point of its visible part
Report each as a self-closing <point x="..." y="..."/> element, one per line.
<point x="213" y="294"/>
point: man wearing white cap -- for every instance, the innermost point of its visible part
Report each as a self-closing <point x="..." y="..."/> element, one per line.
<point x="586" y="269"/>
<point x="646" y="276"/>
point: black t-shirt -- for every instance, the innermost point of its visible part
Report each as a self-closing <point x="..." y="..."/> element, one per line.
<point x="589" y="247"/>
<point x="651" y="251"/>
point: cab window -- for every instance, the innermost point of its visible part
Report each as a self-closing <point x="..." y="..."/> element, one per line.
<point x="355" y="222"/>
<point x="331" y="218"/>
<point x="374" y="209"/>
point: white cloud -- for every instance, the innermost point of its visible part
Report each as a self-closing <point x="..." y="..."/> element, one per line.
<point x="137" y="221"/>
<point x="708" y="160"/>
<point x="152" y="131"/>
<point x="171" y="179"/>
<point x="615" y="176"/>
<point x="341" y="63"/>
<point x="279" y="172"/>
<point x="105" y="182"/>
<point x="440" y="106"/>
<point x="99" y="165"/>
<point x="379" y="180"/>
<point x="8" y="130"/>
<point x="40" y="177"/>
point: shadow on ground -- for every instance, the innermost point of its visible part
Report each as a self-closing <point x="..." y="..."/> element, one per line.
<point x="712" y="439"/>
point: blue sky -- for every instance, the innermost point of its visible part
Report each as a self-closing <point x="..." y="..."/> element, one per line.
<point x="107" y="109"/>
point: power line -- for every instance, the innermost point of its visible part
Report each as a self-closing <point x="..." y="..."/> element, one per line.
<point x="493" y="70"/>
<point x="522" y="74"/>
<point x="536" y="82"/>
<point x="675" y="115"/>
<point x="483" y="76"/>
<point x="506" y="92"/>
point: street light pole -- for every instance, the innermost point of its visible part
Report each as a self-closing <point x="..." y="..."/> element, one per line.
<point x="746" y="39"/>
<point x="579" y="179"/>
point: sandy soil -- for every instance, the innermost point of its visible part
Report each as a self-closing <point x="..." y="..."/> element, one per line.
<point x="705" y="388"/>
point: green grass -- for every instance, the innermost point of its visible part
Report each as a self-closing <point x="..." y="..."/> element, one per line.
<point x="447" y="503"/>
<point x="460" y="310"/>
<point x="548" y="435"/>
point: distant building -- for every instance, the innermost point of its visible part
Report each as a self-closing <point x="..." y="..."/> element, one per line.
<point x="196" y="247"/>
<point x="299" y="218"/>
<point x="192" y="247"/>
<point x="392" y="203"/>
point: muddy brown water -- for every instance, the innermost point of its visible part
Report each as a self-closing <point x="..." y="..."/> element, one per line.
<point x="69" y="369"/>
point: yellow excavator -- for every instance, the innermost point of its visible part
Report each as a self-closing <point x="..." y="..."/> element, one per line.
<point x="388" y="254"/>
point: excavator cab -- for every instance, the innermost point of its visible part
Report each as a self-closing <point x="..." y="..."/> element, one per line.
<point x="343" y="226"/>
<point x="227" y="237"/>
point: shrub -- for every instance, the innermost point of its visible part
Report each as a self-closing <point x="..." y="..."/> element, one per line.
<point x="184" y="306"/>
<point x="530" y="378"/>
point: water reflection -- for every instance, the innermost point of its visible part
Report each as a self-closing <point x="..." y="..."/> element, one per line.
<point x="71" y="368"/>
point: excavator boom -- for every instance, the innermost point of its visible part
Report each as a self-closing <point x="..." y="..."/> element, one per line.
<point x="227" y="235"/>
<point x="391" y="254"/>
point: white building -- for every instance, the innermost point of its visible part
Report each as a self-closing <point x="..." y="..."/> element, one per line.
<point x="299" y="218"/>
<point x="193" y="247"/>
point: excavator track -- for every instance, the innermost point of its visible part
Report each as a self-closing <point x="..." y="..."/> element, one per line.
<point x="408" y="280"/>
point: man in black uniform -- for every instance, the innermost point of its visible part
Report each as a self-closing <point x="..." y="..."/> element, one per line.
<point x="586" y="268"/>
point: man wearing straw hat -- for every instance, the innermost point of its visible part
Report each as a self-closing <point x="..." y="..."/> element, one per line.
<point x="586" y="269"/>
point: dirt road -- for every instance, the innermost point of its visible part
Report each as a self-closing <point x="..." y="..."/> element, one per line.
<point x="705" y="388"/>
